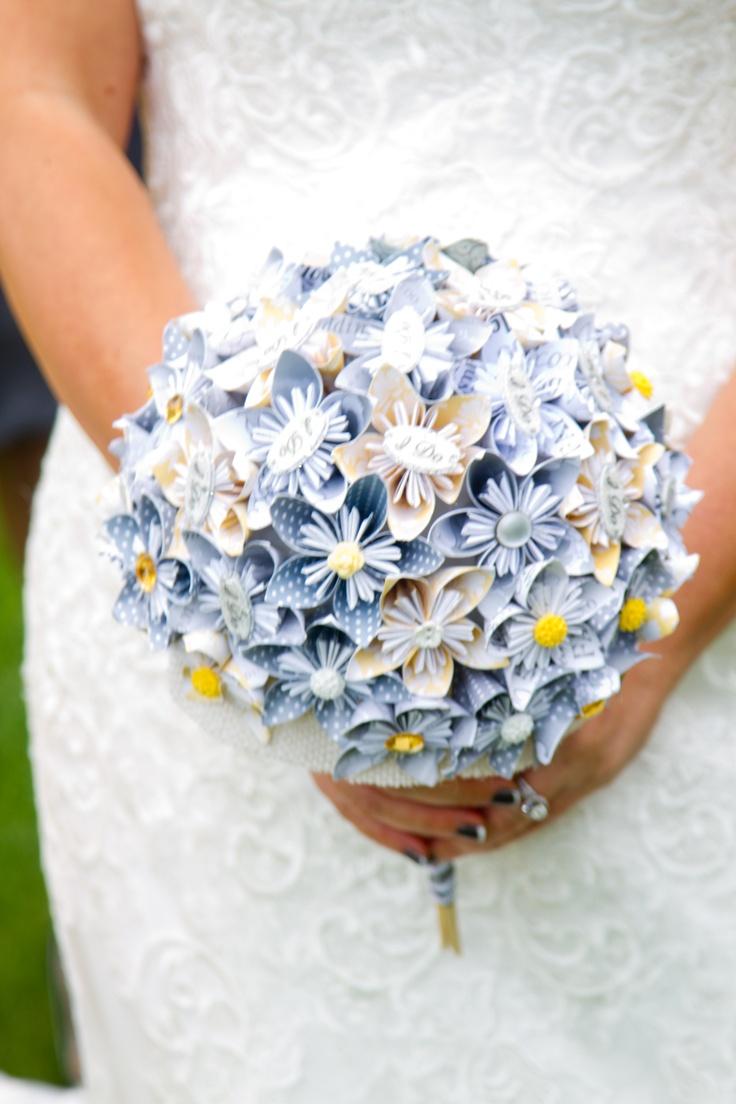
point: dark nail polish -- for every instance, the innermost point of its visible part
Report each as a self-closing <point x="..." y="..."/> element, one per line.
<point x="505" y="797"/>
<point x="415" y="856"/>
<point x="472" y="831"/>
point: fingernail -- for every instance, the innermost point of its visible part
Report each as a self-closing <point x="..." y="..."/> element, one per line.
<point x="472" y="831"/>
<point x="416" y="857"/>
<point x="505" y="797"/>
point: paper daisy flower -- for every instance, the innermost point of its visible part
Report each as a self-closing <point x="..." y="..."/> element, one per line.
<point x="416" y="734"/>
<point x="671" y="499"/>
<point x="546" y="629"/>
<point x="425" y="630"/>
<point x="513" y="521"/>
<point x="418" y="453"/>
<point x="230" y="608"/>
<point x="528" y="421"/>
<point x="211" y="681"/>
<point x="344" y="559"/>
<point x="603" y="381"/>
<point x="158" y="587"/>
<point x="293" y="439"/>
<point x="178" y="383"/>
<point x="315" y="676"/>
<point x="606" y="505"/>
<point x="647" y="610"/>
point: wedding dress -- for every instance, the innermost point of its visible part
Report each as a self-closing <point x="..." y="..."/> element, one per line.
<point x="228" y="938"/>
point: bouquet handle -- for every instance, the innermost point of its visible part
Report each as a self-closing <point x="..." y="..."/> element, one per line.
<point x="442" y="886"/>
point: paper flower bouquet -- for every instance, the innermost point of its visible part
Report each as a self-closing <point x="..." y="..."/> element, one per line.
<point x="414" y="497"/>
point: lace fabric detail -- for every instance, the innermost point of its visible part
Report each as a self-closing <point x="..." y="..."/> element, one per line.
<point x="227" y="936"/>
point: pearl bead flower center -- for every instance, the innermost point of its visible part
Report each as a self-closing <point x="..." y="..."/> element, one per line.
<point x="428" y="635"/>
<point x="405" y="743"/>
<point x="516" y="728"/>
<point x="550" y="630"/>
<point x="346" y="559"/>
<point x="513" y="529"/>
<point x="327" y="684"/>
<point x="145" y="572"/>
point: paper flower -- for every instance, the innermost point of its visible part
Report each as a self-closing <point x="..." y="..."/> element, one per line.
<point x="294" y="438"/>
<point x="671" y="499"/>
<point x="425" y="630"/>
<point x="503" y="731"/>
<point x="344" y="559"/>
<point x="158" y="587"/>
<point x="647" y="611"/>
<point x="417" y="452"/>
<point x="417" y="734"/>
<point x="546" y="629"/>
<point x="513" y="521"/>
<point x="233" y="680"/>
<point x="177" y="383"/>
<point x="606" y="503"/>
<point x="603" y="381"/>
<point x="315" y="676"/>
<point x="528" y="420"/>
<point x="230" y="603"/>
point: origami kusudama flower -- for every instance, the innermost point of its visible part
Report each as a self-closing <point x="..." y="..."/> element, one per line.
<point x="197" y="476"/>
<point x="294" y="438"/>
<point x="603" y="381"/>
<point x="177" y="383"/>
<point x="513" y="521"/>
<point x="417" y="452"/>
<point x="418" y="734"/>
<point x="606" y="503"/>
<point x="671" y="499"/>
<point x="158" y="587"/>
<point x="503" y="732"/>
<point x="344" y="559"/>
<point x="425" y="630"/>
<point x="528" y="420"/>
<point x="229" y="610"/>
<point x="409" y="340"/>
<point x="546" y="630"/>
<point x="315" y="676"/>
<point x="235" y="681"/>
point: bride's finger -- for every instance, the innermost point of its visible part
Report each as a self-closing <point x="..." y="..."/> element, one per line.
<point x="421" y="818"/>
<point x="394" y="839"/>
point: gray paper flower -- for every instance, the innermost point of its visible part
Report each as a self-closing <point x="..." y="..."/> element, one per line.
<point x="645" y="580"/>
<point x="231" y="595"/>
<point x="158" y="588"/>
<point x="513" y="521"/>
<point x="345" y="558"/>
<point x="416" y="733"/>
<point x="527" y="420"/>
<point x="293" y="438"/>
<point x="314" y="676"/>
<point x="672" y="500"/>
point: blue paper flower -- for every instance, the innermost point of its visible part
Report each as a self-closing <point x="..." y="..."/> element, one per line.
<point x="231" y="595"/>
<point x="293" y="438"/>
<point x="527" y="419"/>
<point x="158" y="588"/>
<point x="417" y="734"/>
<point x="513" y="521"/>
<point x="314" y="676"/>
<point x="345" y="558"/>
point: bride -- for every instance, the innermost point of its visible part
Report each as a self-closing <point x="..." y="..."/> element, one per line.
<point x="228" y="937"/>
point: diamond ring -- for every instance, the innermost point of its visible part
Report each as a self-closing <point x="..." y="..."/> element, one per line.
<point x="533" y="804"/>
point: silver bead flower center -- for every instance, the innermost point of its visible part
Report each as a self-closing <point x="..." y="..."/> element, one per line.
<point x="513" y="529"/>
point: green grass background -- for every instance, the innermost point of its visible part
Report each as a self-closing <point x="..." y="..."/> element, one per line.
<point x="26" y="1035"/>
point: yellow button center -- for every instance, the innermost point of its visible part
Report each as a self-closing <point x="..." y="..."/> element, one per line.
<point x="345" y="559"/>
<point x="406" y="743"/>
<point x="145" y="572"/>
<point x="550" y="630"/>
<point x="206" y="682"/>
<point x="174" y="409"/>
<point x="633" y="614"/>
<point x="642" y="383"/>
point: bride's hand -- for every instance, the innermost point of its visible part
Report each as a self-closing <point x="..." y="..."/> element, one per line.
<point x="461" y="817"/>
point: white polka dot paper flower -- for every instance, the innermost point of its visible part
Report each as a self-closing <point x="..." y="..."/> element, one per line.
<point x="418" y="452"/>
<point x="546" y="630"/>
<point x="671" y="499"/>
<point x="314" y="676"/>
<point x="426" y="629"/>
<point x="196" y="475"/>
<point x="293" y="440"/>
<point x="344" y="559"/>
<point x="512" y="522"/>
<point x="606" y="504"/>
<point x="158" y="587"/>
<point x="417" y="734"/>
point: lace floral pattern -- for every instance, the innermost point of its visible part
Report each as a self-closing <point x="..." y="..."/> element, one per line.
<point x="227" y="936"/>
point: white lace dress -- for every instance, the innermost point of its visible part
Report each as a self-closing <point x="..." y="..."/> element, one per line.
<point x="228" y="938"/>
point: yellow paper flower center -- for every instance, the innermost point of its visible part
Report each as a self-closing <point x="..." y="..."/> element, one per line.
<point x="642" y="383"/>
<point x="174" y="409"/>
<point x="550" y="630"/>
<point x="633" y="614"/>
<point x="592" y="709"/>
<point x="145" y="572"/>
<point x="346" y="559"/>
<point x="206" y="682"/>
<point x="405" y="743"/>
